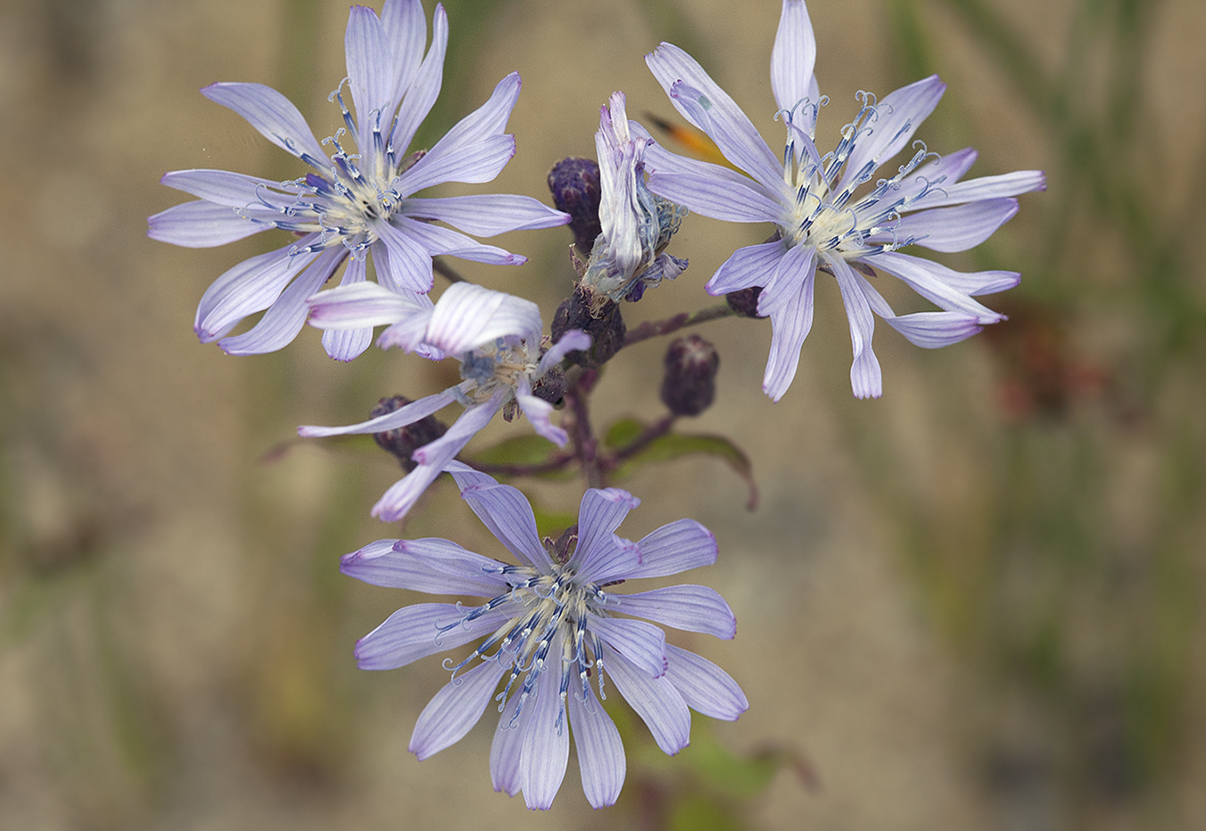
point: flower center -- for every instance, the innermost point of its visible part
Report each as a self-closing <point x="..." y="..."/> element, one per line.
<point x="549" y="629"/>
<point x="487" y="368"/>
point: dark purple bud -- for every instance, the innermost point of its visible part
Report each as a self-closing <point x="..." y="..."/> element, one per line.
<point x="576" y="190"/>
<point x="690" y="381"/>
<point x="744" y="302"/>
<point x="596" y="315"/>
<point x="551" y="386"/>
<point x="404" y="441"/>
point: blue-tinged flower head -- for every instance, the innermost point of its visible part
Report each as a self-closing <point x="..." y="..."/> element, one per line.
<point x="553" y="638"/>
<point x="636" y="224"/>
<point x="357" y="202"/>
<point x="831" y="212"/>
<point x="495" y="336"/>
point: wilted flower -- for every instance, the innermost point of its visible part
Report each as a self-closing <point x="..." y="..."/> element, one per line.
<point x="550" y="625"/>
<point x="495" y="336"/>
<point x="357" y="201"/>
<point x="822" y="224"/>
<point x="636" y="225"/>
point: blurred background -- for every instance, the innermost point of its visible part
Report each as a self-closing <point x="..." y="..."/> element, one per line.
<point x="973" y="604"/>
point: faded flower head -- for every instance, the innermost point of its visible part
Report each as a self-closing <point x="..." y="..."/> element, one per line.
<point x="358" y="199"/>
<point x="556" y="638"/>
<point x="495" y="336"/>
<point x="636" y="225"/>
<point x="832" y="215"/>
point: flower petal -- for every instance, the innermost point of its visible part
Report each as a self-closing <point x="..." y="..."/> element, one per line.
<point x="487" y="214"/>
<point x="273" y="115"/>
<point x="433" y="566"/>
<point x="454" y="710"/>
<point x="287" y="314"/>
<point x="689" y="608"/>
<point x="409" y="263"/>
<point x="793" y="56"/>
<point x="506" y="749"/>
<point x="655" y="700"/>
<point x="468" y="316"/>
<point x="437" y="240"/>
<point x="408" y="414"/>
<point x="424" y="88"/>
<point x="423" y="629"/>
<point x="953" y="229"/>
<point x="202" y="224"/>
<point x="749" y="266"/>
<point x="896" y="118"/>
<point x="790" y="325"/>
<point x="347" y="344"/>
<point x="600" y="750"/>
<point x="702" y="102"/>
<point x="251" y="286"/>
<point x="986" y="187"/>
<point x="939" y="284"/>
<point x="673" y="548"/>
<point x="545" y="750"/>
<point x="599" y="515"/>
<point x="641" y="643"/>
<point x="508" y="514"/>
<point x="705" y="687"/>
<point x="866" y="377"/>
<point x="369" y="64"/>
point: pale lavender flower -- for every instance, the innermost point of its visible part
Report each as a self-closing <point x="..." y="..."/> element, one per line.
<point x="357" y="201"/>
<point x="822" y="224"/>
<point x="636" y="224"/>
<point x="495" y="336"/>
<point x="551" y="624"/>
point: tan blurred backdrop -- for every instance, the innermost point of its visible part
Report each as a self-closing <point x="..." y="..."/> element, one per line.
<point x="973" y="604"/>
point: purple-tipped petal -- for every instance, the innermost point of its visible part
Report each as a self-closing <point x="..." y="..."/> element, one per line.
<point x="600" y="751"/>
<point x="643" y="644"/>
<point x="655" y="700"/>
<point x="433" y="566"/>
<point x="689" y="608"/>
<point x="866" y="377"/>
<point x="369" y="59"/>
<point x="545" y="749"/>
<point x="507" y="513"/>
<point x="251" y="286"/>
<point x="572" y="340"/>
<point x="954" y="229"/>
<point x="599" y="515"/>
<point x="424" y="88"/>
<point x="749" y="266"/>
<point x="537" y="411"/>
<point x="790" y="325"/>
<point x="506" y="749"/>
<point x="287" y="315"/>
<point x="702" y="102"/>
<point x="674" y="548"/>
<point x="272" y="114"/>
<point x="414" y="632"/>
<point x="202" y="224"/>
<point x="454" y="710"/>
<point x="400" y="417"/>
<point x="223" y="187"/>
<point x="896" y="118"/>
<point x="705" y="687"/>
<point x="939" y="284"/>
<point x="405" y="26"/>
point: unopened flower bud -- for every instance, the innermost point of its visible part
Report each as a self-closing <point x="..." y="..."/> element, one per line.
<point x="404" y="441"/>
<point x="576" y="190"/>
<point x="745" y="301"/>
<point x="690" y="381"/>
<point x="596" y="315"/>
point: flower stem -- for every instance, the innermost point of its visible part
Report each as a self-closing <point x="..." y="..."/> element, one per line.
<point x="678" y="321"/>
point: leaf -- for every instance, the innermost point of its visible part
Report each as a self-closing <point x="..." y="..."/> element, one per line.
<point x="627" y="432"/>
